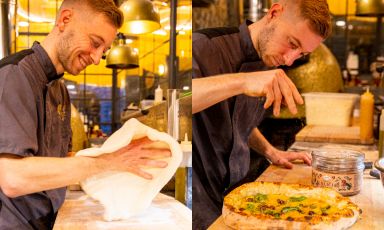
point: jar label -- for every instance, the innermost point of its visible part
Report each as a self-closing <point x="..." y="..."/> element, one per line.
<point x="343" y="183"/>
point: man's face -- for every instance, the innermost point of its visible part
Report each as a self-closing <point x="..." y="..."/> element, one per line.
<point x="83" y="43"/>
<point x="281" y="42"/>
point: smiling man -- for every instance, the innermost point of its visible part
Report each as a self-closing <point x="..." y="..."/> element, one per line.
<point x="235" y="80"/>
<point x="35" y="132"/>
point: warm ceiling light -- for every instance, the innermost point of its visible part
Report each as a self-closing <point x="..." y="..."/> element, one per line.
<point x="23" y="24"/>
<point x="370" y="8"/>
<point x="140" y="17"/>
<point x="340" y="23"/>
<point x="121" y="56"/>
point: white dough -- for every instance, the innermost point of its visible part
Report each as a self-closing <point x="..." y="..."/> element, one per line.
<point x="124" y="194"/>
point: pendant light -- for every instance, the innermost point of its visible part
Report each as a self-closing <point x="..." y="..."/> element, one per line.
<point x="140" y="17"/>
<point x="373" y="8"/>
<point x="121" y="56"/>
<point x="370" y="8"/>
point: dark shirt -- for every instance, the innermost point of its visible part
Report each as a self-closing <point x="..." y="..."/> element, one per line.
<point x="35" y="121"/>
<point x="221" y="154"/>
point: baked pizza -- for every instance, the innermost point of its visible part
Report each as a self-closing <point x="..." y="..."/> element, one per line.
<point x="266" y="205"/>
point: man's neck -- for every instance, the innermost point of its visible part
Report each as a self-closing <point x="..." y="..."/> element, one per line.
<point x="254" y="31"/>
<point x="51" y="48"/>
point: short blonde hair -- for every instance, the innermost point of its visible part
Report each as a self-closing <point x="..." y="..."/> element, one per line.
<point x="106" y="7"/>
<point x="318" y="15"/>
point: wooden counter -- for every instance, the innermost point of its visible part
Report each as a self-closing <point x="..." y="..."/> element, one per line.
<point x="370" y="199"/>
<point x="80" y="212"/>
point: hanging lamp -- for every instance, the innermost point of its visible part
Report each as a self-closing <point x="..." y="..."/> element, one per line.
<point x="140" y="17"/>
<point x="121" y="56"/>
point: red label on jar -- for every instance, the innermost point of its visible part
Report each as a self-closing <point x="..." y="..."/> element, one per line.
<point x="346" y="184"/>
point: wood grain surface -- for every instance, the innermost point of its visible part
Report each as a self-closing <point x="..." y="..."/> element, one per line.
<point x="331" y="134"/>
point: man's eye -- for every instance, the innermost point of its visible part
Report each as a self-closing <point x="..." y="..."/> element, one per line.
<point x="293" y="46"/>
<point x="95" y="44"/>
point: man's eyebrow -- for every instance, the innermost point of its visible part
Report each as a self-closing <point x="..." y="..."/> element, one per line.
<point x="95" y="35"/>
<point x="297" y="41"/>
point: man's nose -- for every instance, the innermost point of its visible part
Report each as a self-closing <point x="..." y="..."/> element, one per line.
<point x="96" y="56"/>
<point x="291" y="56"/>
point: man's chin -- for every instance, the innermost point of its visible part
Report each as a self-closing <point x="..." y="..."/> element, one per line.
<point x="267" y="61"/>
<point x="74" y="71"/>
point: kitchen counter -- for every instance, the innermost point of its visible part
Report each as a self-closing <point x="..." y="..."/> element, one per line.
<point x="80" y="212"/>
<point x="370" y="199"/>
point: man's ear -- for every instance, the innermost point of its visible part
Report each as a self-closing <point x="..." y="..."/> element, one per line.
<point x="64" y="18"/>
<point x="275" y="11"/>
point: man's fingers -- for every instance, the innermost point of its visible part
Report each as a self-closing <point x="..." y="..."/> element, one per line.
<point x="156" y="145"/>
<point x="141" y="173"/>
<point x="135" y="144"/>
<point x="307" y="159"/>
<point x="304" y="156"/>
<point x="155" y="153"/>
<point x="270" y="97"/>
<point x="296" y="95"/>
<point x="287" y="93"/>
<point x="284" y="163"/>
<point x="278" y="98"/>
<point x="288" y="165"/>
<point x="152" y="163"/>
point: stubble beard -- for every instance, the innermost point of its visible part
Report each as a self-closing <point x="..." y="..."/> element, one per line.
<point x="263" y="41"/>
<point x="64" y="53"/>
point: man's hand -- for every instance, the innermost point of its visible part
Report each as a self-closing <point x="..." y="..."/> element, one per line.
<point x="284" y="158"/>
<point x="273" y="84"/>
<point x="137" y="156"/>
<point x="276" y="86"/>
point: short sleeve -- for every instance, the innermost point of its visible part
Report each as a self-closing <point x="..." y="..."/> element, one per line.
<point x="196" y="41"/>
<point x="18" y="114"/>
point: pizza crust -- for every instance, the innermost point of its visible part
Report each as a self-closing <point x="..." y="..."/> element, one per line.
<point x="238" y="220"/>
<point x="124" y="194"/>
<point x="242" y="222"/>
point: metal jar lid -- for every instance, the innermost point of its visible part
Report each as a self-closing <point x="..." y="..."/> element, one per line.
<point x="338" y="160"/>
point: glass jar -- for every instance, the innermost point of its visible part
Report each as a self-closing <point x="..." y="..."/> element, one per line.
<point x="339" y="169"/>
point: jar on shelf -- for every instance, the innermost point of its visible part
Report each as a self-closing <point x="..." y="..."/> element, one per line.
<point x="339" y="169"/>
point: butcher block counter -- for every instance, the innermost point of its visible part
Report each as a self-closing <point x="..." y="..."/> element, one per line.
<point x="370" y="199"/>
<point x="80" y="212"/>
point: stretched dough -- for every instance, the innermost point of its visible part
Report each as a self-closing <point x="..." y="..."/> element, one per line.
<point x="124" y="194"/>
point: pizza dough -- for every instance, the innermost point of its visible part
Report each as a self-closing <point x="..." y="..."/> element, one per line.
<point x="124" y="194"/>
<point x="267" y="205"/>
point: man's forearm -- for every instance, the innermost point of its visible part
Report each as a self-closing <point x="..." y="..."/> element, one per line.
<point x="33" y="174"/>
<point x="211" y="90"/>
<point x="258" y="142"/>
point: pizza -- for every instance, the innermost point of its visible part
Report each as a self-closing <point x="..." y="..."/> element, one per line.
<point x="267" y="205"/>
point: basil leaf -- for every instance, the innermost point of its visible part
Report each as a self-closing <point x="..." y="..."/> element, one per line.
<point x="250" y="207"/>
<point x="297" y="199"/>
<point x="260" y="197"/>
<point x="289" y="209"/>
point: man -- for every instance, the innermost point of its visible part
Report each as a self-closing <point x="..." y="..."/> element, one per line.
<point x="229" y="102"/>
<point x="35" y="118"/>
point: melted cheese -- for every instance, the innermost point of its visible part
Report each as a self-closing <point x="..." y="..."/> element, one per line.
<point x="280" y="206"/>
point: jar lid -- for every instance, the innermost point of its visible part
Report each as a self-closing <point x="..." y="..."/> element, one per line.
<point x="338" y="160"/>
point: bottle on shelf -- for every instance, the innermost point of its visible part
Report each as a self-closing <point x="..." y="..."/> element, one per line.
<point x="158" y="95"/>
<point x="366" y="117"/>
<point x="381" y="134"/>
